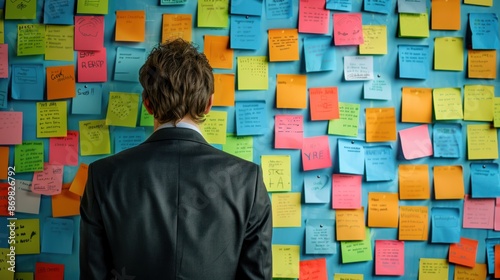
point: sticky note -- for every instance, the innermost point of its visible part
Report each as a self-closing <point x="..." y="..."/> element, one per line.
<point x="217" y="51"/>
<point x="379" y="163"/>
<point x="449" y="182"/>
<point x="88" y="99"/>
<point x="276" y="170"/>
<point x="358" y="68"/>
<point x="378" y="6"/>
<point x="496" y="223"/>
<point x="445" y="15"/>
<point x="481" y="64"/>
<point x="413" y="25"/>
<point x="146" y="119"/>
<point x="94" y="138"/>
<point x="6" y="269"/>
<point x="380" y="124"/>
<point x="313" y="17"/>
<point x="26" y="200"/>
<point x="416" y="105"/>
<point x="4" y="199"/>
<point x="478" y="272"/>
<point x="346" y="191"/>
<point x="291" y="91"/>
<point x="213" y="14"/>
<point x="58" y="12"/>
<point x="128" y="63"/>
<point x="485" y="180"/>
<point x="78" y="184"/>
<point x="24" y="275"/>
<point x="283" y="44"/>
<point x="64" y="150"/>
<point x="92" y="7"/>
<point x="23" y="10"/>
<point x="389" y="257"/>
<point x="288" y="131"/>
<point x="52" y="119"/>
<point x="414" y="181"/>
<point x="413" y="223"/>
<point x="341" y="5"/>
<point x="286" y="210"/>
<point x="224" y="89"/>
<point x="215" y="126"/>
<point x="126" y="138"/>
<point x="445" y="225"/>
<point x="28" y="156"/>
<point x="122" y="109"/>
<point x="478" y="213"/>
<point x="357" y="251"/>
<point x="61" y="82"/>
<point x="252" y="73"/>
<point x="479" y="2"/>
<point x="4" y="163"/>
<point x="130" y="26"/>
<point x="89" y="33"/>
<point x="379" y="88"/>
<point x="4" y="86"/>
<point x="315" y="153"/>
<point x="57" y="236"/>
<point x="319" y="54"/>
<point x="482" y="142"/>
<point x="92" y="66"/>
<point x="28" y="81"/>
<point x="496" y="112"/>
<point x="431" y="269"/>
<point x="490" y="253"/>
<point x="278" y="9"/>
<point x="59" y="42"/>
<point x="49" y="180"/>
<point x="172" y="2"/>
<point x="463" y="252"/>
<point x="416" y="142"/>
<point x="347" y="29"/>
<point x="383" y="209"/>
<point x="11" y="128"/>
<point x="412" y="6"/>
<point x="345" y="276"/>
<point x="317" y="187"/>
<point x="497" y="260"/>
<point x="65" y="204"/>
<point x="350" y="224"/>
<point x="447" y="103"/>
<point x="347" y="124"/>
<point x="351" y="156"/>
<point x="240" y="146"/>
<point x="4" y="61"/>
<point x="484" y="29"/>
<point x="413" y="61"/>
<point x="449" y="53"/>
<point x="286" y="261"/>
<point x="245" y="32"/>
<point x="177" y="26"/>
<point x="374" y="40"/>
<point x="27" y="236"/>
<point x="324" y="103"/>
<point x="49" y="271"/>
<point x="478" y="102"/>
<point x="2" y="25"/>
<point x="314" y="269"/>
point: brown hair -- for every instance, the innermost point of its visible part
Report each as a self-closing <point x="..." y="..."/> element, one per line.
<point x="178" y="82"/>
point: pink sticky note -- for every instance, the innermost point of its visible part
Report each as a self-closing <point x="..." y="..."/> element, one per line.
<point x="479" y="212"/>
<point x="346" y="191"/>
<point x="11" y="128"/>
<point x="4" y="61"/>
<point x="389" y="257"/>
<point x="92" y="66"/>
<point x="49" y="181"/>
<point x="313" y="17"/>
<point x="64" y="150"/>
<point x="497" y="214"/>
<point x="416" y="142"/>
<point x="347" y="29"/>
<point x="313" y="269"/>
<point x="316" y="153"/>
<point x="89" y="33"/>
<point x="288" y="131"/>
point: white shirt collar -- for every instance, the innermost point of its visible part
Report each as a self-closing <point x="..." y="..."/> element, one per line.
<point x="180" y="124"/>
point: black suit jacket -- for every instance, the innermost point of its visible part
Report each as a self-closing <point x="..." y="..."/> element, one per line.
<point x="175" y="207"/>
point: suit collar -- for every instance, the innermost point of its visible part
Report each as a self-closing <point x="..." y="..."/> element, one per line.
<point x="176" y="133"/>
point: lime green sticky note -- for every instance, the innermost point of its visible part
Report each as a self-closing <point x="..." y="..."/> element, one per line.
<point x="23" y="9"/>
<point x="6" y="268"/>
<point x="28" y="157"/>
<point x="413" y="25"/>
<point x="447" y="103"/>
<point x="277" y="172"/>
<point x="30" y="39"/>
<point x="478" y="102"/>
<point x="59" y="41"/>
<point x="252" y="73"/>
<point x="448" y="53"/>
<point x="2" y="27"/>
<point x="213" y="13"/>
<point x="146" y="118"/>
<point x="95" y="7"/>
<point x="479" y="2"/>
<point x="23" y="276"/>
<point x="27" y="236"/>
<point x="496" y="112"/>
<point x="240" y="146"/>
<point x="347" y="124"/>
<point x="357" y="251"/>
<point x="122" y="109"/>
<point x="214" y="127"/>
<point x="52" y="119"/>
<point x="94" y="138"/>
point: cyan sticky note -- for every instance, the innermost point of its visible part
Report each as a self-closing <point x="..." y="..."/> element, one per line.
<point x="484" y="28"/>
<point x="351" y="157"/>
<point x="4" y="234"/>
<point x="447" y="140"/>
<point x="251" y="118"/>
<point x="319" y="54"/>
<point x="379" y="163"/>
<point x="379" y="88"/>
<point x="340" y="5"/>
<point x="490" y="253"/>
<point x="57" y="236"/>
<point x="4" y="86"/>
<point x="445" y="225"/>
<point x="88" y="99"/>
<point x="320" y="236"/>
<point x="317" y="188"/>
<point x="279" y="9"/>
<point x="378" y="6"/>
<point x="412" y="6"/>
<point x="485" y="180"/>
<point x="128" y="62"/>
<point x="126" y="138"/>
<point x="59" y="12"/>
<point x="246" y="7"/>
<point x="28" y="81"/>
<point x="413" y="61"/>
<point x="245" y="32"/>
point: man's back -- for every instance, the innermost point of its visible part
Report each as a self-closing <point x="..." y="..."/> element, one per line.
<point x="176" y="208"/>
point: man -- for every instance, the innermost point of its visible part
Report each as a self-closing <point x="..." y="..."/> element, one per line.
<point x="174" y="207"/>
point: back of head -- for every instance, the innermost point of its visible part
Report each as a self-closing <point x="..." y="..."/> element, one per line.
<point x="177" y="81"/>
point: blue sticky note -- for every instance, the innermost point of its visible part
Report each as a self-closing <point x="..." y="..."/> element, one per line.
<point x="446" y="225"/>
<point x="57" y="236"/>
<point x="379" y="88"/>
<point x="246" y="7"/>
<point x="351" y="157"/>
<point x="320" y="236"/>
<point x="245" y="32"/>
<point x="379" y="162"/>
<point x="59" y="11"/>
<point x="4" y="87"/>
<point x="484" y="28"/>
<point x="319" y="54"/>
<point x="485" y="180"/>
<point x="125" y="138"/>
<point x="88" y="99"/>
<point x="128" y="62"/>
<point x="251" y="118"/>
<point x="4" y="234"/>
<point x="28" y="81"/>
<point x="412" y="6"/>
<point x="172" y="2"/>
<point x="317" y="188"/>
<point x="378" y="6"/>
<point x="447" y="140"/>
<point x="278" y="9"/>
<point x="490" y="253"/>
<point x="413" y="61"/>
<point x="340" y="5"/>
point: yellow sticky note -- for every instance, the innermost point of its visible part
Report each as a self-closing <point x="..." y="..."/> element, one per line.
<point x="23" y="276"/>
<point x="277" y="172"/>
<point x="375" y="40"/>
<point x="59" y="42"/>
<point x="346" y="276"/>
<point x="66" y="203"/>
<point x="481" y="64"/>
<point x="478" y="102"/>
<point x="449" y="53"/>
<point x="252" y="73"/>
<point x="7" y="267"/>
<point x="130" y="26"/>
<point x="413" y="223"/>
<point x="94" y="138"/>
<point x="177" y="26"/>
<point x="380" y="124"/>
<point x="383" y="209"/>
<point x="432" y="269"/>
<point x="447" y="103"/>
<point x="291" y="91"/>
<point x="350" y="224"/>
<point x="283" y="44"/>
<point x="27" y="236"/>
<point x="482" y="142"/>
<point x="414" y="181"/>
<point x="496" y="112"/>
<point x="23" y="10"/>
<point x="448" y="182"/>
<point x="78" y="184"/>
<point x="52" y="119"/>
<point x="2" y="27"/>
<point x="99" y="7"/>
<point x="30" y="39"/>
<point x="214" y="129"/>
<point x="217" y="51"/>
<point x="286" y="210"/>
<point x="213" y="13"/>
<point x="224" y="91"/>
<point x="417" y="105"/>
<point x="286" y="261"/>
<point x="478" y="272"/>
<point x="122" y="109"/>
<point x="413" y="25"/>
<point x="479" y="2"/>
<point x="445" y="14"/>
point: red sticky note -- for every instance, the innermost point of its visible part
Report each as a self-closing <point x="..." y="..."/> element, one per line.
<point x="497" y="260"/>
<point x="288" y="132"/>
<point x="347" y="29"/>
<point x="4" y="199"/>
<point x="313" y="269"/>
<point x="64" y="150"/>
<point x="313" y="17"/>
<point x="346" y="191"/>
<point x="89" y="33"/>
<point x="49" y="181"/>
<point x="49" y="271"/>
<point x="463" y="253"/>
<point x="4" y="61"/>
<point x="92" y="66"/>
<point x="316" y="153"/>
<point x="389" y="257"/>
<point x="4" y="163"/>
<point x="324" y="103"/>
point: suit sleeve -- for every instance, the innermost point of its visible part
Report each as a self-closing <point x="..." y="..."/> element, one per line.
<point x="95" y="255"/>
<point x="256" y="255"/>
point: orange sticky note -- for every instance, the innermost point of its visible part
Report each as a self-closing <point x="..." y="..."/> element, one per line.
<point x="445" y="15"/>
<point x="49" y="271"/>
<point x="4" y="162"/>
<point x="66" y="203"/>
<point x="380" y="124"/>
<point x="283" y="44"/>
<point x="464" y="252"/>
<point x="383" y="209"/>
<point x="130" y="26"/>
<point x="448" y="182"/>
<point x="61" y="82"/>
<point x="177" y="26"/>
<point x="350" y="224"/>
<point x="414" y="181"/>
<point x="478" y="272"/>
<point x="481" y="64"/>
<point x="324" y="103"/>
<point x="78" y="184"/>
<point x="497" y="260"/>
<point x="313" y="269"/>
<point x="217" y="51"/>
<point x="223" y="90"/>
<point x="416" y="105"/>
<point x="291" y="91"/>
<point x="413" y="223"/>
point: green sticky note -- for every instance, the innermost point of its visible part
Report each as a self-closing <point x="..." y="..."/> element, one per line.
<point x="240" y="146"/>
<point x="253" y="73"/>
<point x="146" y="118"/>
<point x="357" y="251"/>
<point x="30" y="39"/>
<point x="95" y="7"/>
<point x="28" y="157"/>
<point x="122" y="109"/>
<point x="413" y="25"/>
<point x="21" y="9"/>
<point x="94" y="138"/>
<point x="214" y="127"/>
<point x="2" y="28"/>
<point x="213" y="13"/>
<point x="347" y="124"/>
<point x="59" y="40"/>
<point x="52" y="119"/>
<point x="23" y="276"/>
<point x="27" y="236"/>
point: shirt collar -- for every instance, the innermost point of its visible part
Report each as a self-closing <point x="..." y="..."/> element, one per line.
<point x="180" y="124"/>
